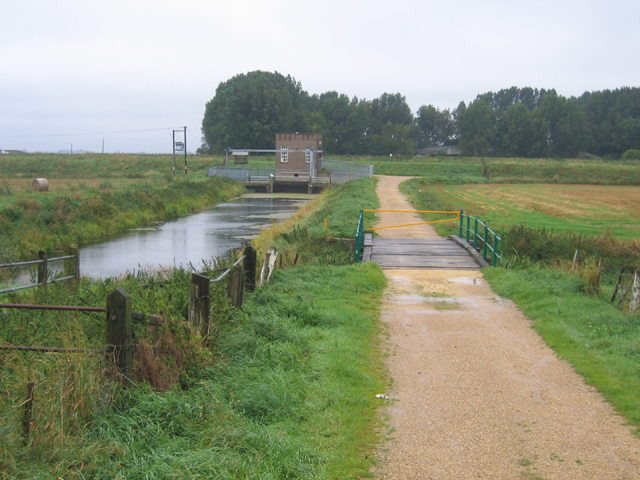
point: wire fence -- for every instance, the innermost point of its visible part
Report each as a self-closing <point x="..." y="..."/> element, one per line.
<point x="342" y="172"/>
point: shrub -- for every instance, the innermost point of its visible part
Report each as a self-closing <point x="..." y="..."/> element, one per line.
<point x="631" y="154"/>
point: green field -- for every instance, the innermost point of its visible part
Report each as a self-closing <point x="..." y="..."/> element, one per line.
<point x="585" y="209"/>
<point x="466" y="170"/>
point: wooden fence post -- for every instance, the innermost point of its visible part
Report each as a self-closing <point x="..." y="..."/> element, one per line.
<point x="71" y="266"/>
<point x="199" y="304"/>
<point x="120" y="331"/>
<point x="269" y="265"/>
<point x="236" y="287"/>
<point x="615" y="290"/>
<point x="249" y="265"/>
<point x="575" y="260"/>
<point x="43" y="272"/>
<point x="28" y="410"/>
<point x="635" y="293"/>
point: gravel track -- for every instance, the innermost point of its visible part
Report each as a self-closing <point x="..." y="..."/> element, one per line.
<point x="477" y="393"/>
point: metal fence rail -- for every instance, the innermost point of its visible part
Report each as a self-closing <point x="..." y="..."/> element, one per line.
<point x="71" y="268"/>
<point x="342" y="172"/>
<point x="242" y="174"/>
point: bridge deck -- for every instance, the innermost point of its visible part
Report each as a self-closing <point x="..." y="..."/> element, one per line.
<point x="418" y="253"/>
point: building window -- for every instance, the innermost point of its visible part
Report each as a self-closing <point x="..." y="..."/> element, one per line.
<point x="284" y="154"/>
<point x="307" y="154"/>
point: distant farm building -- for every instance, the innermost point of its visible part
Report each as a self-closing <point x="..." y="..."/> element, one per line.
<point x="297" y="159"/>
<point x="439" y="151"/>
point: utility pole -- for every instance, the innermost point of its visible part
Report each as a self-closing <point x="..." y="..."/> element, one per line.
<point x="181" y="147"/>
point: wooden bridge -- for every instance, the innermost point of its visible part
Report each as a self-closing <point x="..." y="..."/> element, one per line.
<point x="417" y="252"/>
<point x="451" y="253"/>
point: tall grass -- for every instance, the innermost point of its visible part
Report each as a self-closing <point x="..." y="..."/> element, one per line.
<point x="287" y="390"/>
<point x="550" y="248"/>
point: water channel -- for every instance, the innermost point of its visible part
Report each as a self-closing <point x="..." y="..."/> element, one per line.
<point x="188" y="240"/>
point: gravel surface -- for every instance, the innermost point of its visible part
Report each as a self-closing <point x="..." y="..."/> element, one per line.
<point x="478" y="394"/>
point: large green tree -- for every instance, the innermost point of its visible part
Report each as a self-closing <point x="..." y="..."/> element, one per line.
<point x="342" y="122"/>
<point x="475" y="127"/>
<point x="249" y="109"/>
<point x="614" y="120"/>
<point x="434" y="127"/>
<point x="391" y="129"/>
<point x="567" y="127"/>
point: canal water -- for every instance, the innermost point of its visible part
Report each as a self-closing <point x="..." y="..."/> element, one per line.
<point x="192" y="239"/>
<point x="184" y="241"/>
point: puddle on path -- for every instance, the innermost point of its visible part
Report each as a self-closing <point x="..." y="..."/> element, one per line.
<point x="466" y="280"/>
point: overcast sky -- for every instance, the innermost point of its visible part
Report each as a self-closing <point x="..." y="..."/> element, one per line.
<point x="145" y="67"/>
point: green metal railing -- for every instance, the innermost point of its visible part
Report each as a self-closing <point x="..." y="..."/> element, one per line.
<point x="489" y="239"/>
<point x="360" y="237"/>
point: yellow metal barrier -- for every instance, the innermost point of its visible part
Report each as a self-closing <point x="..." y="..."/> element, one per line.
<point x="457" y="217"/>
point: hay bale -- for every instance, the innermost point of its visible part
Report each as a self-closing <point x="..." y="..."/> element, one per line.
<point x="40" y="185"/>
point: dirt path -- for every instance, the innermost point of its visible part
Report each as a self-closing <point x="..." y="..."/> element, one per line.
<point x="478" y="394"/>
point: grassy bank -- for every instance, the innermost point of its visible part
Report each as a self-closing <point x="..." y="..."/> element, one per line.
<point x="303" y="239"/>
<point x="96" y="165"/>
<point x="285" y="390"/>
<point x="35" y="221"/>
<point x="599" y="340"/>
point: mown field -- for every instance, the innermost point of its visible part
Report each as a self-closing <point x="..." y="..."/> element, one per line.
<point x="96" y="165"/>
<point x="585" y="209"/>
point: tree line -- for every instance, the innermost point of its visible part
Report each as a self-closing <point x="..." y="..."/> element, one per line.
<point x="249" y="109"/>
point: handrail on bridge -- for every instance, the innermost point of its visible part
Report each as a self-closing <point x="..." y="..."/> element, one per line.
<point x="487" y="244"/>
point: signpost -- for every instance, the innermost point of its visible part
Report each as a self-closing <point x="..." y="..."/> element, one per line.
<point x="180" y="147"/>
